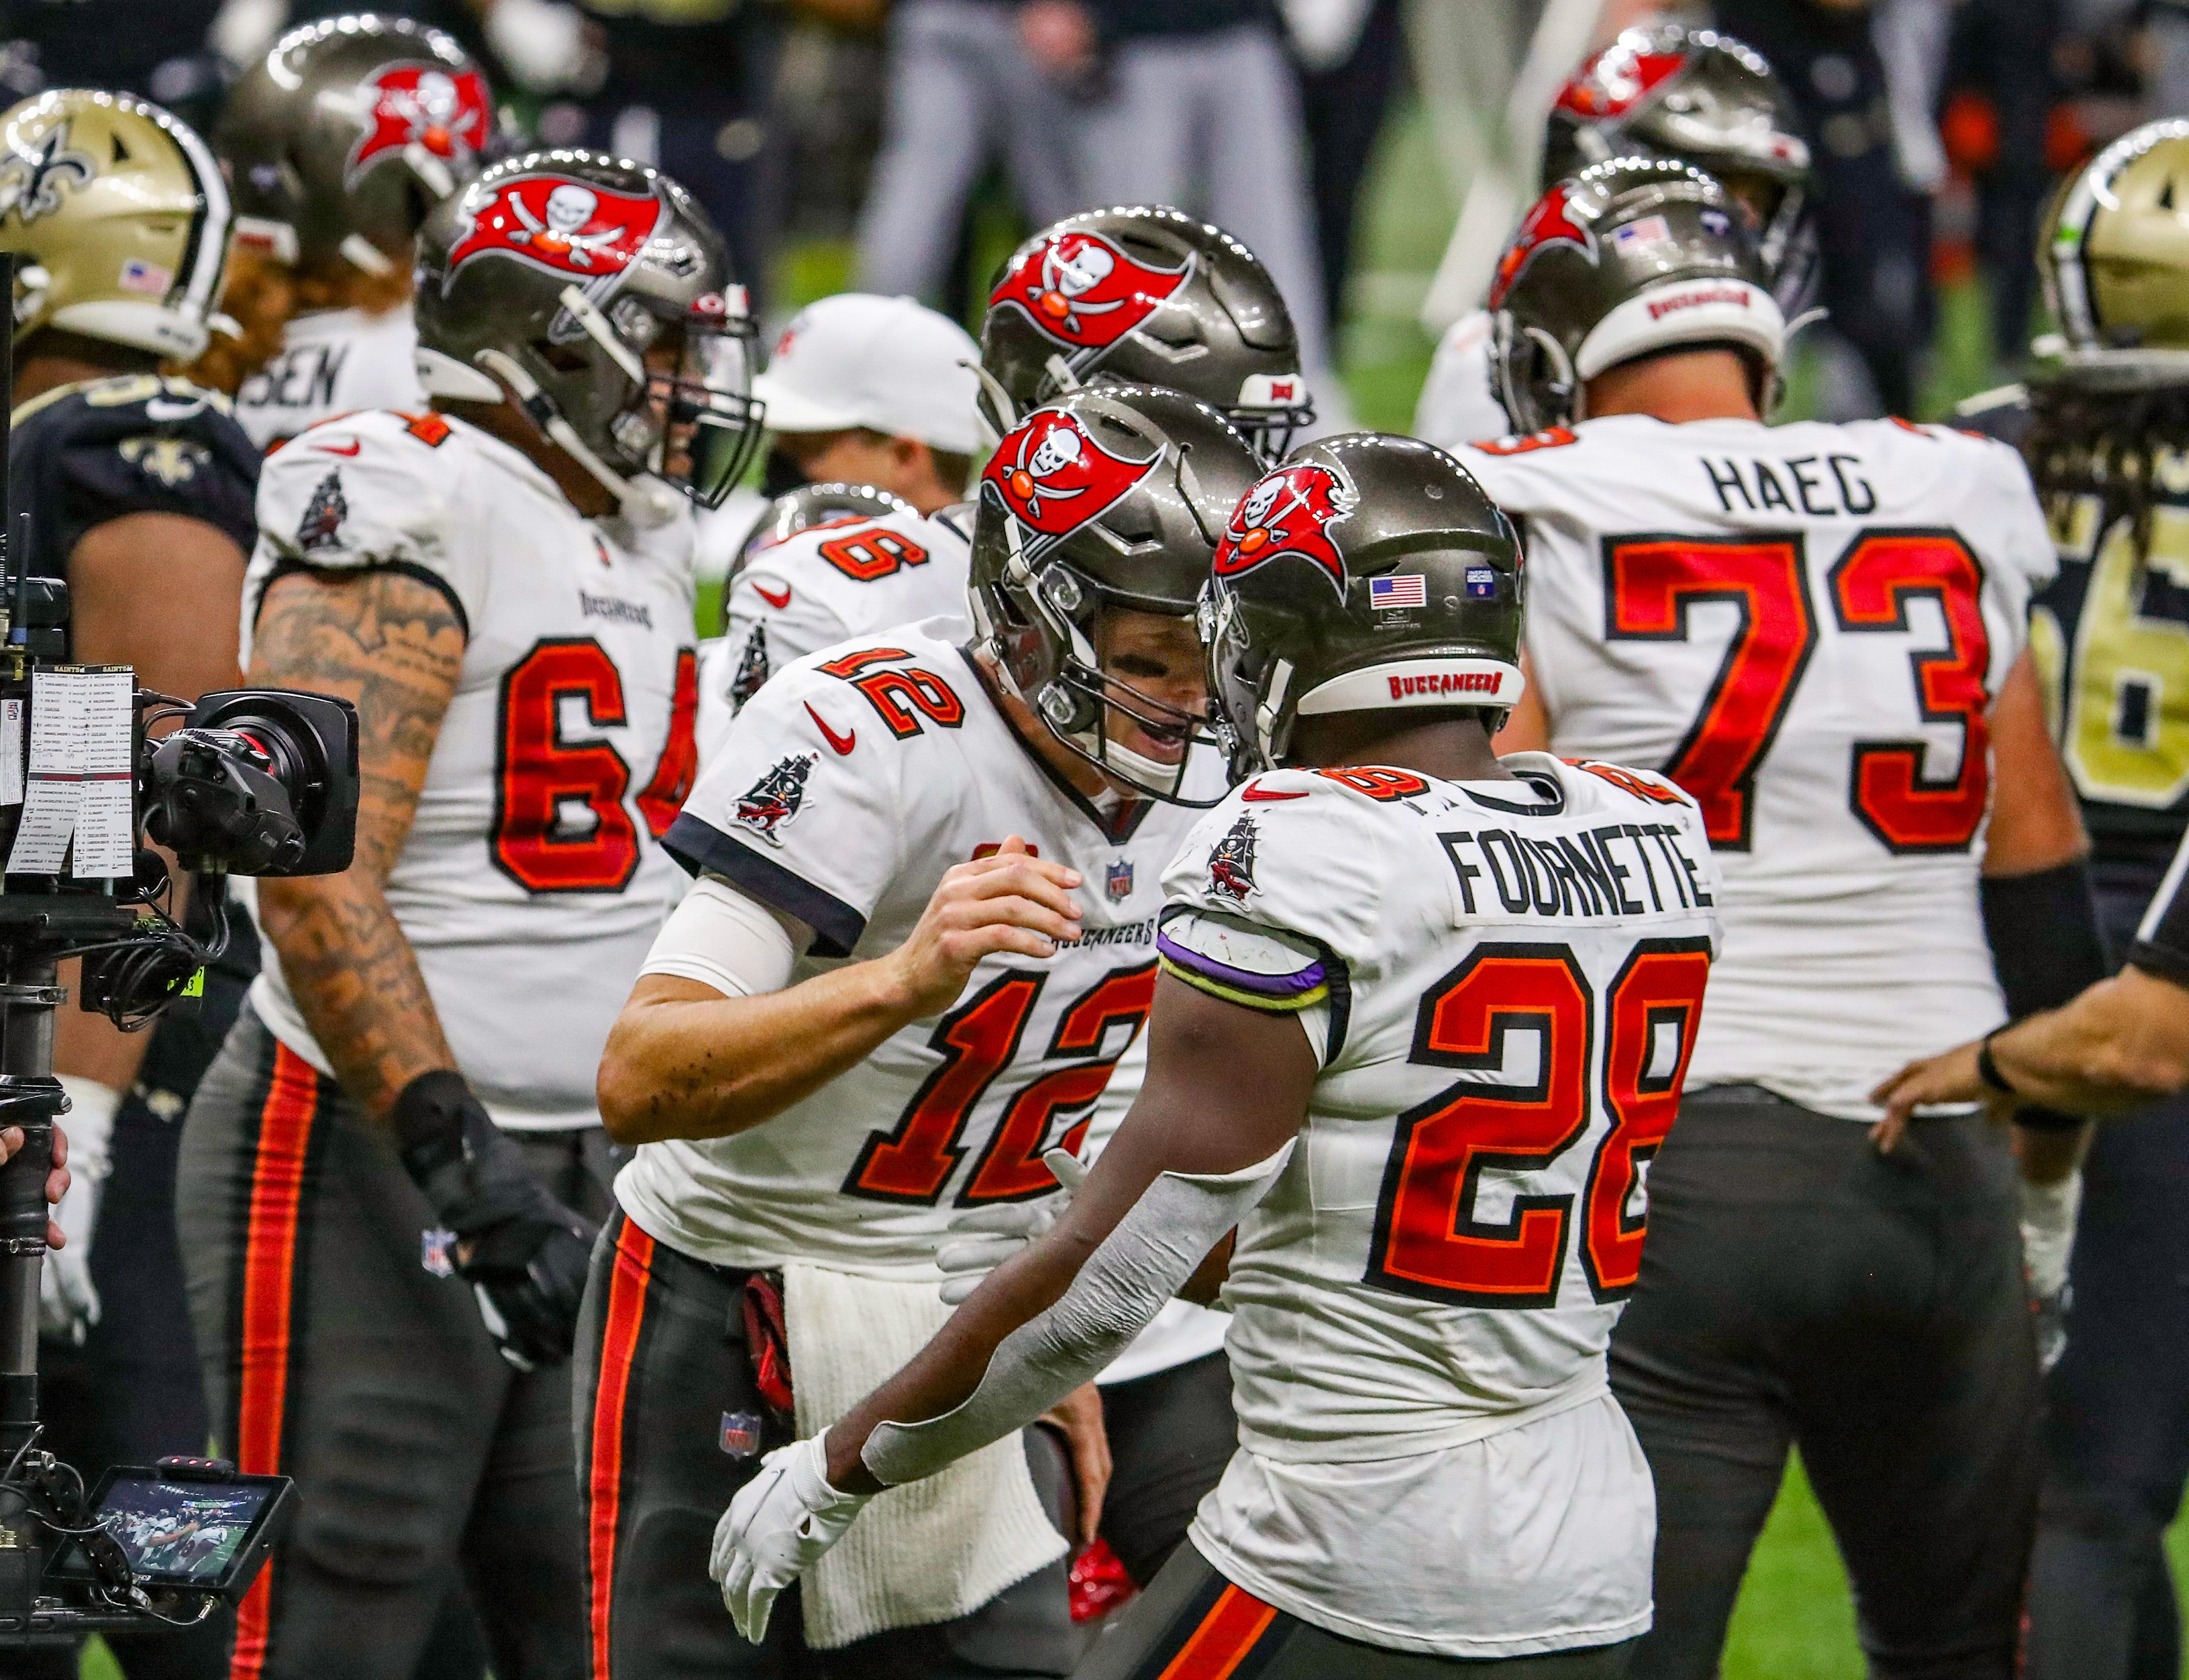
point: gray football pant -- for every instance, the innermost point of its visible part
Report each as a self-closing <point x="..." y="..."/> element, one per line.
<point x="1211" y="123"/>
<point x="961" y="92"/>
<point x="332" y="1354"/>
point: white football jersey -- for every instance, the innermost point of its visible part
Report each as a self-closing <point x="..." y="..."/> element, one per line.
<point x="533" y="882"/>
<point x="844" y="789"/>
<point x="332" y="362"/>
<point x="1458" y="404"/>
<point x="1504" y="979"/>
<point x="831" y="582"/>
<point x="1804" y="626"/>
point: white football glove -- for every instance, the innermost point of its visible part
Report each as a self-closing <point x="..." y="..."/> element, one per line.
<point x="781" y="1523"/>
<point x="988" y="1237"/>
<point x="68" y="1304"/>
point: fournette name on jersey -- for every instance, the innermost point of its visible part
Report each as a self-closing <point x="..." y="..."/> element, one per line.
<point x="1804" y="626"/>
<point x="1503" y="981"/>
<point x="843" y="791"/>
<point x="533" y="882"/>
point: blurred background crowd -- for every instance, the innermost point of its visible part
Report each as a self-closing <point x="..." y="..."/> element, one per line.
<point x="1374" y="152"/>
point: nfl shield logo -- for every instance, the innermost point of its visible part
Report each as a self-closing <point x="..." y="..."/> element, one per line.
<point x="1119" y="880"/>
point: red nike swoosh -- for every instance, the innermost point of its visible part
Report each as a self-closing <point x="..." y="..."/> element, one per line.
<point x="1251" y="791"/>
<point x="336" y="449"/>
<point x="771" y="597"/>
<point x="843" y="744"/>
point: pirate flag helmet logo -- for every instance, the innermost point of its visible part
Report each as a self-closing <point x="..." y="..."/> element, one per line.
<point x="569" y="226"/>
<point x="776" y="798"/>
<point x="1232" y="864"/>
<point x="1085" y="291"/>
<point x="1618" y="78"/>
<point x="1053" y="477"/>
<point x="445" y="113"/>
<point x="1289" y="512"/>
<point x="1550" y="223"/>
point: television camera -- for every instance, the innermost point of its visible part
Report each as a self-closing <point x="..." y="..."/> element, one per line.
<point x="255" y="781"/>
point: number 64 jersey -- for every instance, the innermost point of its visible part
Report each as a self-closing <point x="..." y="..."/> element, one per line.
<point x="1805" y="626"/>
<point x="532" y="884"/>
<point x="1502" y="982"/>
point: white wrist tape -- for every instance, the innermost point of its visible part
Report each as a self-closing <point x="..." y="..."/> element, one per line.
<point x="88" y="1124"/>
<point x="1155" y="1248"/>
<point x="2047" y="1231"/>
<point x="722" y="938"/>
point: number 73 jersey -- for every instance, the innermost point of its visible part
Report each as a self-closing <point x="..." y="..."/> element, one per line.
<point x="1804" y="626"/>
<point x="1502" y="982"/>
<point x="532" y="882"/>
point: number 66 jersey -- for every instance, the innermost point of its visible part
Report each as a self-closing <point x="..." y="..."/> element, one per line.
<point x="531" y="883"/>
<point x="1805" y="626"/>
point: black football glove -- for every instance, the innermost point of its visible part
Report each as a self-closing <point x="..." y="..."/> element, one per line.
<point x="524" y="1254"/>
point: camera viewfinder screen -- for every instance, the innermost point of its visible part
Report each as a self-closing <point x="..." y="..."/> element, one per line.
<point x="183" y="1532"/>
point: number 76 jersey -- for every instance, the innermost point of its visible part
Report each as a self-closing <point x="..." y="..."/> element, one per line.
<point x="1805" y="626"/>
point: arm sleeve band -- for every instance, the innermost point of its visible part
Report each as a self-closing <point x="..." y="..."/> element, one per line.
<point x="1139" y="1266"/>
<point x="2043" y="930"/>
<point x="722" y="938"/>
<point x="2162" y="940"/>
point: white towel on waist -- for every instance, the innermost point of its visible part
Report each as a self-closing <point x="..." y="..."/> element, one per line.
<point x="932" y="1550"/>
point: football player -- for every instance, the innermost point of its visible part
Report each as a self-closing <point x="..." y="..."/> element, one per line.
<point x="139" y="490"/>
<point x="1817" y="631"/>
<point x="1661" y="90"/>
<point x="337" y="144"/>
<point x="1422" y="1016"/>
<point x="864" y="391"/>
<point x="1144" y="294"/>
<point x="394" y="1168"/>
<point x="980" y="828"/>
<point x="2102" y="427"/>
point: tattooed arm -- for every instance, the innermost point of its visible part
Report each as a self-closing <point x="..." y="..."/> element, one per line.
<point x="395" y="647"/>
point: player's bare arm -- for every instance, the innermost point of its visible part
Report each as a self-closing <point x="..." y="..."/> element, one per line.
<point x="394" y="648"/>
<point x="2118" y="1046"/>
<point x="181" y="640"/>
<point x="684" y="1060"/>
<point x="1226" y="1087"/>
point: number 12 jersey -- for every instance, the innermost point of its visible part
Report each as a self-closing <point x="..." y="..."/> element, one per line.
<point x="1805" y="626"/>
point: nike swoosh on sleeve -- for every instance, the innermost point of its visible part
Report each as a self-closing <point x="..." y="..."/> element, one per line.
<point x="777" y="601"/>
<point x="1250" y="791"/>
<point x="843" y="744"/>
<point x="336" y="449"/>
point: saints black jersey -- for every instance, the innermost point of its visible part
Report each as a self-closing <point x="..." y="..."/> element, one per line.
<point x="85" y="454"/>
<point x="2110" y="636"/>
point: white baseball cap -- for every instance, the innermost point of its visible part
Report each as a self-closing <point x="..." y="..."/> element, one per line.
<point x="888" y="364"/>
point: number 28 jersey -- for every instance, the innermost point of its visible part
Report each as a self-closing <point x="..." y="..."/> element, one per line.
<point x="532" y="883"/>
<point x="1805" y="627"/>
<point x="1503" y="981"/>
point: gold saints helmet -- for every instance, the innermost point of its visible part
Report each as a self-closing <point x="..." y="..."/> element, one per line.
<point x="120" y="217"/>
<point x="2114" y="254"/>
